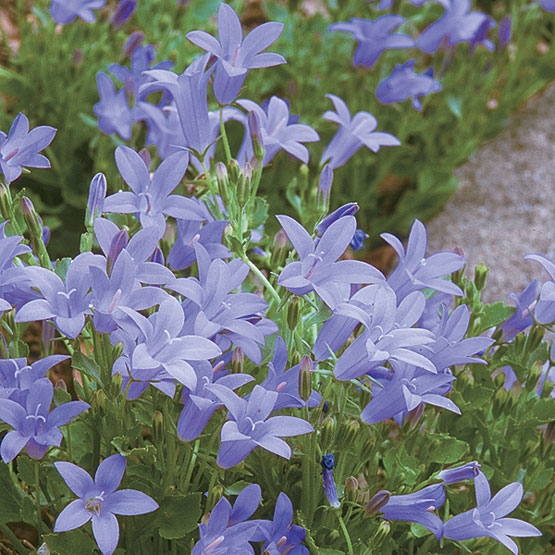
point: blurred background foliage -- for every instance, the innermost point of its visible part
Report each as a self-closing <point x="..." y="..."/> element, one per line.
<point x="48" y="72"/>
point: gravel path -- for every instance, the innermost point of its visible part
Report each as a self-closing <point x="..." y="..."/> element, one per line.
<point x="504" y="206"/>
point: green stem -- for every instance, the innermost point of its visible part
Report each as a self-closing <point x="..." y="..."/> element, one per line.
<point x="261" y="277"/>
<point x="227" y="150"/>
<point x="345" y="533"/>
<point x="37" y="499"/>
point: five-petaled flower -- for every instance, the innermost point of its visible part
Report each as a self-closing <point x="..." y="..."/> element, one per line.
<point x="99" y="501"/>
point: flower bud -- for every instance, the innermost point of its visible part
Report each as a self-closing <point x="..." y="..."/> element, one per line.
<point x="237" y="361"/>
<point x="223" y="182"/>
<point x="32" y="219"/>
<point x="293" y="313"/>
<point x="351" y="488"/>
<point x="480" y="275"/>
<point x="135" y="40"/>
<point x="244" y="185"/>
<point x="454" y="475"/>
<point x="346" y="210"/>
<point x="348" y="432"/>
<point x="324" y="187"/>
<point x="157" y="426"/>
<point x="256" y="135"/>
<point x="533" y="376"/>
<point x="327" y="434"/>
<point x="119" y="242"/>
<point x="5" y="201"/>
<point x="379" y="536"/>
<point x="328" y="464"/>
<point x="123" y="12"/>
<point x="214" y="495"/>
<point x="549" y="433"/>
<point x="95" y="203"/>
<point x="234" y="171"/>
<point x="378" y="502"/>
<point x="279" y="250"/>
<point x="305" y="378"/>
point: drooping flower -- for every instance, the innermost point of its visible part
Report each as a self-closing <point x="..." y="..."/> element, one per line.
<point x="65" y="11"/>
<point x="251" y="426"/>
<point x="35" y="427"/>
<point x="374" y="37"/>
<point x="353" y="133"/>
<point x="99" y="501"/>
<point x="456" y="25"/>
<point x="21" y="147"/>
<point x="277" y="131"/>
<point x="488" y="518"/>
<point x="418" y="507"/>
<point x="404" y="83"/>
<point x="235" y="55"/>
<point x="468" y="471"/>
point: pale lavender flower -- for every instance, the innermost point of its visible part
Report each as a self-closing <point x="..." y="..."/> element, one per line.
<point x="404" y="83"/>
<point x="487" y="519"/>
<point x="235" y="55"/>
<point x="418" y="507"/>
<point x="548" y="5"/>
<point x="113" y="112"/>
<point x="374" y="37"/>
<point x="523" y="318"/>
<point x="544" y="311"/>
<point x="353" y="133"/>
<point x="456" y="25"/>
<point x="318" y="269"/>
<point x="156" y="351"/>
<point x="65" y="11"/>
<point x="151" y="198"/>
<point x="278" y="133"/>
<point x="415" y="272"/>
<point x="20" y="147"/>
<point x="35" y="428"/>
<point x="404" y="389"/>
<point x="100" y="502"/>
<point x="95" y="203"/>
<point x="505" y="29"/>
<point x="251" y="427"/>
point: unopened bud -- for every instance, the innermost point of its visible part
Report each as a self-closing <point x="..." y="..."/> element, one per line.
<point x="379" y="535"/>
<point x="5" y="201"/>
<point x="346" y="210"/>
<point x="454" y="475"/>
<point x="157" y="426"/>
<point x="100" y="402"/>
<point x="223" y="182"/>
<point x="534" y="338"/>
<point x="145" y="155"/>
<point x="256" y="134"/>
<point x="378" y="502"/>
<point x="549" y="433"/>
<point x="244" y="185"/>
<point x="214" y="495"/>
<point x="349" y="431"/>
<point x="234" y="171"/>
<point x="279" y="249"/>
<point x="324" y="187"/>
<point x="293" y="313"/>
<point x="533" y="376"/>
<point x="95" y="204"/>
<point x="327" y="433"/>
<point x="237" y="361"/>
<point x="123" y="12"/>
<point x="119" y="242"/>
<point x="305" y="378"/>
<point x="480" y="275"/>
<point x="351" y="488"/>
<point x="135" y="40"/>
<point x="548" y="388"/>
<point x="32" y="219"/>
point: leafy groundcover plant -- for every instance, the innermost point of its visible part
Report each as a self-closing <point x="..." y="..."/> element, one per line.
<point x="231" y="391"/>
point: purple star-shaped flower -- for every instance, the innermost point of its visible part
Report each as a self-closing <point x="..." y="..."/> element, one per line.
<point x="487" y="519"/>
<point x="277" y="131"/>
<point x="35" y="429"/>
<point x="100" y="502"/>
<point x="236" y="55"/>
<point x="455" y="25"/>
<point x="113" y="112"/>
<point x="317" y="269"/>
<point x="251" y="426"/>
<point x="150" y="198"/>
<point x="353" y="133"/>
<point x="404" y="83"/>
<point x="20" y="147"/>
<point x="65" y="11"/>
<point x="374" y="37"/>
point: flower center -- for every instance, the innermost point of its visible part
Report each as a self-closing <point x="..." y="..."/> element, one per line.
<point x="94" y="504"/>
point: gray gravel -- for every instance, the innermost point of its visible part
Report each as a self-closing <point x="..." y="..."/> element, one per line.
<point x="504" y="206"/>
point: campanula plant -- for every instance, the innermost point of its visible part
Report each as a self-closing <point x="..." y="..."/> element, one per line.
<point x="229" y="388"/>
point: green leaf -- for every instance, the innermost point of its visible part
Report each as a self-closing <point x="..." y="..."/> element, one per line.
<point x="447" y="450"/>
<point x="88" y="366"/>
<point x="493" y="315"/>
<point x="74" y="541"/>
<point x="178" y="515"/>
<point x="12" y="496"/>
